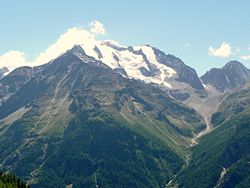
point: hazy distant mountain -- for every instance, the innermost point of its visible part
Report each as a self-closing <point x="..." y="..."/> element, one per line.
<point x="231" y="76"/>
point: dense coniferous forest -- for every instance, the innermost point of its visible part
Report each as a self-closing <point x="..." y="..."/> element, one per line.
<point x="11" y="181"/>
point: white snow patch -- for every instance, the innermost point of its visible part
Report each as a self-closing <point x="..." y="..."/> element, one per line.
<point x="204" y="85"/>
<point x="130" y="61"/>
<point x="165" y="72"/>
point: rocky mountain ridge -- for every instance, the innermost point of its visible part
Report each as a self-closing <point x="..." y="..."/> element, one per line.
<point x="105" y="126"/>
<point x="128" y="121"/>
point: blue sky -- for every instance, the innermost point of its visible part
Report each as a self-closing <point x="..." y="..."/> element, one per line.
<point x="184" y="28"/>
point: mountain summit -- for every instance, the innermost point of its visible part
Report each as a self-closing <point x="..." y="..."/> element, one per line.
<point x="91" y="125"/>
<point x="139" y="62"/>
<point x="145" y="63"/>
<point x="230" y="76"/>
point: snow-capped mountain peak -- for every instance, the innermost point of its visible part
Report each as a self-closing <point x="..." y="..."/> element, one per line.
<point x="137" y="62"/>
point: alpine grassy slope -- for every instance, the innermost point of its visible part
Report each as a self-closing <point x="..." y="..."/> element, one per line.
<point x="222" y="158"/>
<point x="118" y="119"/>
<point x="75" y="121"/>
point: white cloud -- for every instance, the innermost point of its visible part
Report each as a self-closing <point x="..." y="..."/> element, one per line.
<point x="225" y="50"/>
<point x="97" y="27"/>
<point x="13" y="59"/>
<point x="245" y="57"/>
<point x="65" y="42"/>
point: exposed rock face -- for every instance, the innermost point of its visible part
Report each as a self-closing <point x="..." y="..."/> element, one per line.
<point x="185" y="73"/>
<point x="3" y="71"/>
<point x="13" y="82"/>
<point x="78" y="116"/>
<point x="229" y="77"/>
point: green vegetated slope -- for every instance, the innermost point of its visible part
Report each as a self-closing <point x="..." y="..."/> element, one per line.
<point x="236" y="103"/>
<point x="82" y="124"/>
<point x="222" y="157"/>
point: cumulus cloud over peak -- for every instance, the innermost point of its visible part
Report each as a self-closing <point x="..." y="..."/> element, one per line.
<point x="225" y="50"/>
<point x="97" y="27"/>
<point x="66" y="41"/>
<point x="73" y="36"/>
<point x="13" y="59"/>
